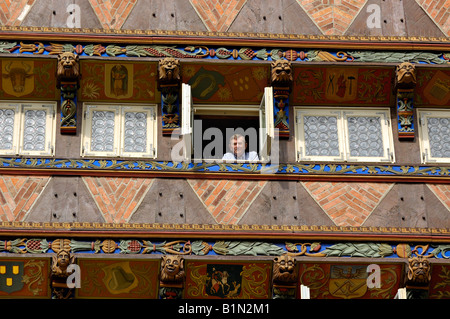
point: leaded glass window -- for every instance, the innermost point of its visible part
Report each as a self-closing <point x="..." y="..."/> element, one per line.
<point x="325" y="134"/>
<point x="321" y="136"/>
<point x="117" y="130"/>
<point x="135" y="135"/>
<point x="365" y="136"/>
<point x="434" y="135"/>
<point x="34" y="130"/>
<point x="7" y="118"/>
<point x="102" y="131"/>
<point x="27" y="129"/>
<point x="439" y="136"/>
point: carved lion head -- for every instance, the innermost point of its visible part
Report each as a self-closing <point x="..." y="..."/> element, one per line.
<point x="284" y="269"/>
<point x="281" y="72"/>
<point x="68" y="67"/>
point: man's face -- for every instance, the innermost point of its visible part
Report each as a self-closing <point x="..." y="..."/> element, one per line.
<point x="238" y="146"/>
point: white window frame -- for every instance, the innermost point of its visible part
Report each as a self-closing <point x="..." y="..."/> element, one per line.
<point x="264" y="112"/>
<point x="20" y="107"/>
<point x="341" y="115"/>
<point x="424" y="141"/>
<point x="119" y="124"/>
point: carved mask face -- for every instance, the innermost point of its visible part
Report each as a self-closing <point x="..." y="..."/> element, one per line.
<point x="67" y="60"/>
<point x="63" y="259"/>
<point x="419" y="270"/>
<point x="406" y="73"/>
<point x="172" y="265"/>
<point x="286" y="264"/>
<point x="281" y="71"/>
<point x="170" y="64"/>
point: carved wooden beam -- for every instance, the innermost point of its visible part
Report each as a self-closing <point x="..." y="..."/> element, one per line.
<point x="405" y="82"/>
<point x="281" y="80"/>
<point x="169" y="79"/>
<point x="68" y="81"/>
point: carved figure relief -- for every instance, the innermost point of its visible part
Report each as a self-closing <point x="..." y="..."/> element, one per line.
<point x="60" y="262"/>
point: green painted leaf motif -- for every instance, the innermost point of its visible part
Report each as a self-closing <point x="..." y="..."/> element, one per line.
<point x="5" y="46"/>
<point x="197" y="247"/>
<point x="359" y="250"/>
<point x="261" y="54"/>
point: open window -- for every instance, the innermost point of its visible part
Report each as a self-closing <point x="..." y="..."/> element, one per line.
<point x="207" y="129"/>
<point x="27" y="128"/>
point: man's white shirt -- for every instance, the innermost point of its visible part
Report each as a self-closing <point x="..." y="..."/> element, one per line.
<point x="247" y="156"/>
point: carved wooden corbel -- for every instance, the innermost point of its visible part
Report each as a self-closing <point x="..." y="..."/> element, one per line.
<point x="418" y="277"/>
<point x="281" y="81"/>
<point x="59" y="274"/>
<point x="284" y="277"/>
<point x="405" y="82"/>
<point x="68" y="81"/>
<point x="171" y="277"/>
<point x="169" y="80"/>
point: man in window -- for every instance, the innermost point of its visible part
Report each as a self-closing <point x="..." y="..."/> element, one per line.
<point x="237" y="146"/>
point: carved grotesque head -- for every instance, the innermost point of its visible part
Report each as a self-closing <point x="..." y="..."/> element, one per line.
<point x="406" y="75"/>
<point x="169" y="70"/>
<point x="281" y="72"/>
<point x="284" y="269"/>
<point x="419" y="270"/>
<point x="172" y="268"/>
<point x="68" y="67"/>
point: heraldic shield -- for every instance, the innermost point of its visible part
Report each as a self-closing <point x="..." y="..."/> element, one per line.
<point x="11" y="274"/>
<point x="348" y="281"/>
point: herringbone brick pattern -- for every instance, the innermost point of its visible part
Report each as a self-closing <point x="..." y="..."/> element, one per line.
<point x="18" y="194"/>
<point x="442" y="191"/>
<point x="217" y="15"/>
<point x="227" y="200"/>
<point x="112" y="13"/>
<point x="347" y="204"/>
<point x="333" y="17"/>
<point x="439" y="11"/>
<point x="117" y="198"/>
<point x="12" y="12"/>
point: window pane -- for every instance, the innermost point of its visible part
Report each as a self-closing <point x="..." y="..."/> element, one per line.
<point x="34" y="130"/>
<point x="365" y="136"/>
<point x="6" y="128"/>
<point x="439" y="136"/>
<point x="321" y="136"/>
<point x="135" y="136"/>
<point x="102" y="131"/>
